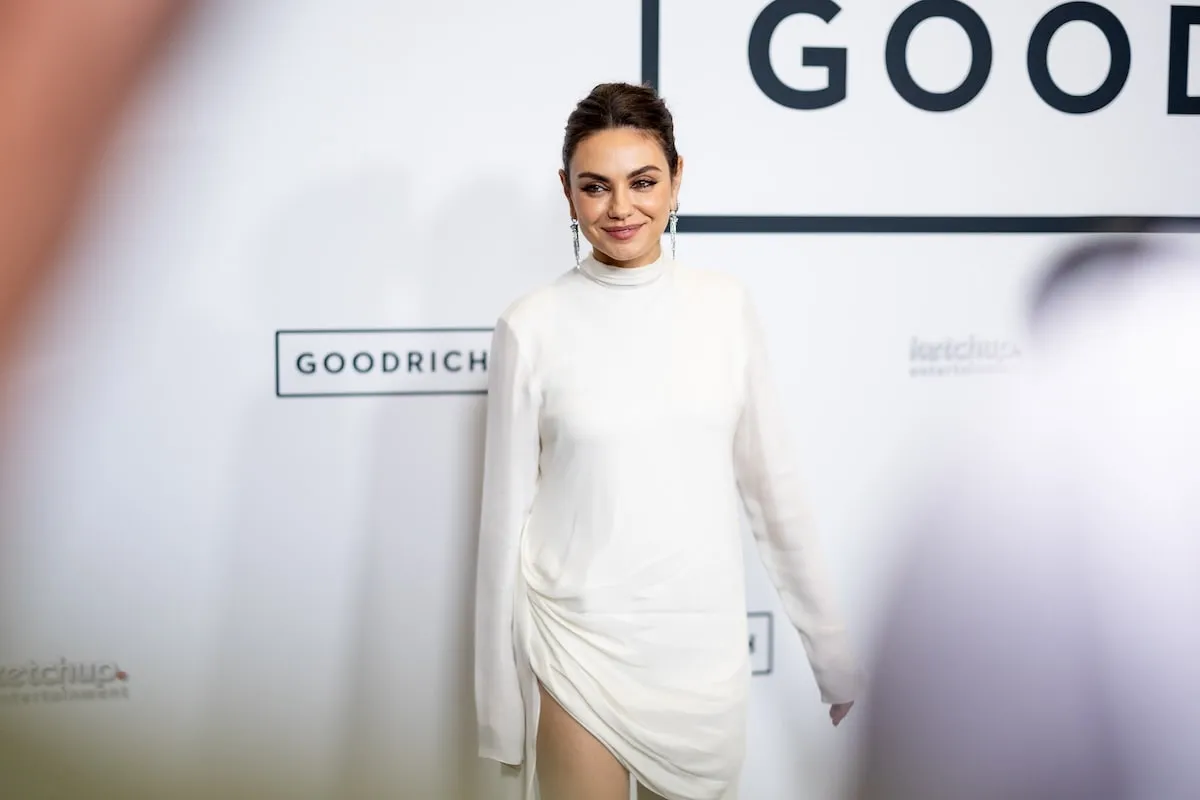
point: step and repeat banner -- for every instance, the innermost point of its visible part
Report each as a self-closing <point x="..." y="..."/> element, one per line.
<point x="239" y="498"/>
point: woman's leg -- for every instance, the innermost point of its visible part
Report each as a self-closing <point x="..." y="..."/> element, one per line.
<point x="645" y="794"/>
<point x="571" y="763"/>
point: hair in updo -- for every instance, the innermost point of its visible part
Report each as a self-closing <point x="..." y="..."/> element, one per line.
<point x="621" y="105"/>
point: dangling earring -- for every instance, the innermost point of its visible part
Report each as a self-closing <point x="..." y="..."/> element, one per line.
<point x="674" y="220"/>
<point x="575" y="236"/>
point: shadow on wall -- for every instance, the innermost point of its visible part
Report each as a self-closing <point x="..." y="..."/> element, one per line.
<point x="329" y="507"/>
<point x="342" y="253"/>
<point x="489" y="245"/>
<point x="412" y="718"/>
<point x="332" y="255"/>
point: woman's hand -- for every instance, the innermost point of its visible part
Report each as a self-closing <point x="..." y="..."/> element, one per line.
<point x="838" y="712"/>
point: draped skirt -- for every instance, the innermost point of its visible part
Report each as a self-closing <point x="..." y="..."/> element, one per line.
<point x="663" y="689"/>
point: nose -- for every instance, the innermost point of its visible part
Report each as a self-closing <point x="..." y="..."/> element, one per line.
<point x="621" y="205"/>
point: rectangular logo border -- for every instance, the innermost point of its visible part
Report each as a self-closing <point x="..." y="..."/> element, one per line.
<point x="770" y="641"/>
<point x="651" y="36"/>
<point x="279" y="334"/>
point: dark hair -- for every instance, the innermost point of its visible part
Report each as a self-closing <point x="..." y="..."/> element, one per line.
<point x="621" y="105"/>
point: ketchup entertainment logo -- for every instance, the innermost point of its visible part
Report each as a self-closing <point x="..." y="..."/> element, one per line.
<point x="961" y="356"/>
<point x="62" y="681"/>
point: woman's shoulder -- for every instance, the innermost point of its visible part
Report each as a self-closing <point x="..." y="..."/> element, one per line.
<point x="533" y="305"/>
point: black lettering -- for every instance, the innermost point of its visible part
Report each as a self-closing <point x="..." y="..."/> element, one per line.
<point x="433" y="361"/>
<point x="306" y="364"/>
<point x="446" y="361"/>
<point x="1183" y="19"/>
<point x="1039" y="57"/>
<point x="478" y="359"/>
<point x="896" y="55"/>
<point x="341" y="363"/>
<point x="832" y="58"/>
<point x="752" y="641"/>
<point x="414" y="361"/>
<point x="370" y="362"/>
<point x="391" y="362"/>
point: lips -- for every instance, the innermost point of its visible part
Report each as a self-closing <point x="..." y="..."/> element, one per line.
<point x="624" y="232"/>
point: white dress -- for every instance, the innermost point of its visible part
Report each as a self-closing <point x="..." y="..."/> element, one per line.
<point x="630" y="416"/>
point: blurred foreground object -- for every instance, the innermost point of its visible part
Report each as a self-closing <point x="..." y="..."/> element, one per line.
<point x="66" y="68"/>
<point x="35" y="766"/>
<point x="1042" y="639"/>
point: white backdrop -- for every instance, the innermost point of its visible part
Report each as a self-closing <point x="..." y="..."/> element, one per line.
<point x="282" y="561"/>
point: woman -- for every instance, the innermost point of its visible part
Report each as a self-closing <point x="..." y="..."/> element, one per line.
<point x="628" y="407"/>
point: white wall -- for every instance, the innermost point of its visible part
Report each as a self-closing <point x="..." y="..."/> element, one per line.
<point x="288" y="580"/>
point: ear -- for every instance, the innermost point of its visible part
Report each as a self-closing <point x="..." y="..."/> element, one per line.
<point x="676" y="181"/>
<point x="566" y="186"/>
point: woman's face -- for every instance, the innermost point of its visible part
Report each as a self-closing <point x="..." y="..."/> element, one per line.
<point x="622" y="193"/>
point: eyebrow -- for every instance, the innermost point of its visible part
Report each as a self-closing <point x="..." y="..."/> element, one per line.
<point x="634" y="174"/>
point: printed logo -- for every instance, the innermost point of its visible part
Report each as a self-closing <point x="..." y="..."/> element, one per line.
<point x="762" y="642"/>
<point x="1177" y="20"/>
<point x="416" y="361"/>
<point x="771" y="69"/>
<point x="959" y="357"/>
<point x="64" y="681"/>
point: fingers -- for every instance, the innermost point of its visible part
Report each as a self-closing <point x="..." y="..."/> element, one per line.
<point x="838" y="712"/>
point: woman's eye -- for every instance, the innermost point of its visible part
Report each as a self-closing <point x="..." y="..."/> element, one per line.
<point x="593" y="188"/>
<point x="645" y="183"/>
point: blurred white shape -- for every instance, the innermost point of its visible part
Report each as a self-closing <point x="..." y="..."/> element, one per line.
<point x="1041" y="642"/>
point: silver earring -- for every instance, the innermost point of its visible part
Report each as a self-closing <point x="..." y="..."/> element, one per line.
<point x="575" y="236"/>
<point x="674" y="220"/>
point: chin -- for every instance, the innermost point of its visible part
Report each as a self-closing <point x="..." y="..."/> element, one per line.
<point x="628" y="251"/>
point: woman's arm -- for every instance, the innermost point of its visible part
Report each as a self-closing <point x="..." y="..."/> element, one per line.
<point x="510" y="479"/>
<point x="780" y="520"/>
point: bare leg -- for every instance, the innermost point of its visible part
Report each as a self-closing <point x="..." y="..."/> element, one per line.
<point x="645" y="794"/>
<point x="571" y="763"/>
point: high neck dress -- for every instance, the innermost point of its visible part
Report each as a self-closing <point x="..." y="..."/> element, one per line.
<point x="631" y="420"/>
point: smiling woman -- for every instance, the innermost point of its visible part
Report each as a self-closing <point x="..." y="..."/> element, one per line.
<point x="621" y="173"/>
<point x="630" y="409"/>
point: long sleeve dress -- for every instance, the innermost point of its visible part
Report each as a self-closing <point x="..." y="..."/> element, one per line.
<point x="630" y="420"/>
